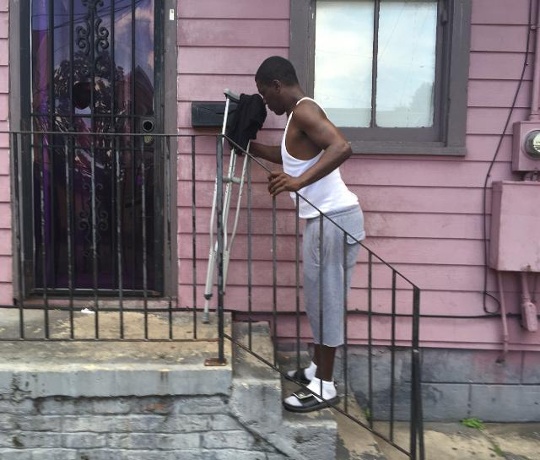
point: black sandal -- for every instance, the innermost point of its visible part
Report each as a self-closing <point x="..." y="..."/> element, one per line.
<point x="298" y="376"/>
<point x="308" y="402"/>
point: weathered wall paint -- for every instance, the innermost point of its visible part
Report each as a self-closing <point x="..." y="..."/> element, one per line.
<point x="423" y="214"/>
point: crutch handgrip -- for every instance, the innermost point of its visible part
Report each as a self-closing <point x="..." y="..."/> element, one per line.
<point x="232" y="96"/>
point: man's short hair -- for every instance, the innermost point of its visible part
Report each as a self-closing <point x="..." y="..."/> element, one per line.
<point x="276" y="68"/>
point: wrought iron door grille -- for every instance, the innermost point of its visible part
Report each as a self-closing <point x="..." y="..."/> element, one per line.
<point x="93" y="152"/>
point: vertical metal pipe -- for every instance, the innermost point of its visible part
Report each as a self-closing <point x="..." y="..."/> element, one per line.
<point x="17" y="173"/>
<point x="68" y="148"/>
<point x="417" y="446"/>
<point x="220" y="250"/>
<point x="345" y="328"/>
<point x="93" y="186"/>
<point x="414" y="414"/>
<point x="297" y="280"/>
<point x="134" y="128"/>
<point x="169" y="236"/>
<point x="116" y="240"/>
<point x="71" y="60"/>
<point x="42" y="222"/>
<point x="321" y="291"/>
<point x="113" y="64"/>
<point x="133" y="56"/>
<point x="50" y="62"/>
<point x="119" y="230"/>
<point x="144" y="235"/>
<point x="94" y="226"/>
<point x="194" y="232"/>
<point x="417" y="428"/>
<point x="48" y="183"/>
<point x="274" y="275"/>
<point x="249" y="253"/>
<point x="393" y="358"/>
<point x="370" y="338"/>
<point x="503" y="314"/>
<point x="71" y="232"/>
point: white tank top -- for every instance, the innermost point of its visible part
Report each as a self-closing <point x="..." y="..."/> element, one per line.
<point x="328" y="194"/>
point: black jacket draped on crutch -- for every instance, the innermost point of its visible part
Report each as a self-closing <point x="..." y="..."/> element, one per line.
<point x="246" y="120"/>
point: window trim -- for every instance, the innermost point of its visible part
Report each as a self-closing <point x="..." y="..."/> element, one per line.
<point x="454" y="81"/>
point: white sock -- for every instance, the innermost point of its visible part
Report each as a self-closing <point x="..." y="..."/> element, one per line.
<point x="328" y="388"/>
<point x="328" y="391"/>
<point x="309" y="371"/>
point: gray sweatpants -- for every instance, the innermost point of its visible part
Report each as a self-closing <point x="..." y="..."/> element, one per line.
<point x="328" y="268"/>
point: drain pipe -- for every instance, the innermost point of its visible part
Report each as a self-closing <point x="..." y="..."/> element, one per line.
<point x="503" y="316"/>
<point x="528" y="308"/>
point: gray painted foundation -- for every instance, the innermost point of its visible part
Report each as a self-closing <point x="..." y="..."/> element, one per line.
<point x="457" y="384"/>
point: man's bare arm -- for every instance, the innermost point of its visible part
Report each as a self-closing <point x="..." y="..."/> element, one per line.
<point x="325" y="136"/>
<point x="266" y="152"/>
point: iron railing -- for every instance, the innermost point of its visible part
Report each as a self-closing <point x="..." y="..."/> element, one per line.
<point x="390" y="314"/>
<point x="261" y="276"/>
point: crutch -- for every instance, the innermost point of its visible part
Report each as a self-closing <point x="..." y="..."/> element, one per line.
<point x="229" y="180"/>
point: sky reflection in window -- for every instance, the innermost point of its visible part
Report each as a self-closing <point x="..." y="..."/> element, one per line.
<point x="405" y="62"/>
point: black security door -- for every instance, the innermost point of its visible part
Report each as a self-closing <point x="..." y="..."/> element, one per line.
<point x="95" y="152"/>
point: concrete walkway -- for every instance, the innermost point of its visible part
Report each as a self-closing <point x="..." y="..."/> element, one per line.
<point x="443" y="441"/>
<point x="454" y="441"/>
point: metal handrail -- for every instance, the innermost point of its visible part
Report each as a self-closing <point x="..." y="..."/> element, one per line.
<point x="50" y="302"/>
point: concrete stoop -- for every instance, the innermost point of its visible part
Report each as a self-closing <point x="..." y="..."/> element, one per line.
<point x="256" y="401"/>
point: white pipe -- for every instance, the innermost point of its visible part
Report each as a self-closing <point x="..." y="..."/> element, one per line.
<point x="536" y="70"/>
<point x="529" y="312"/>
<point x="503" y="316"/>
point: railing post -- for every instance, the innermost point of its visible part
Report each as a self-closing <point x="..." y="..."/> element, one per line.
<point x="417" y="429"/>
<point x="194" y="234"/>
<point x="16" y="146"/>
<point x="220" y="249"/>
<point x="370" y="339"/>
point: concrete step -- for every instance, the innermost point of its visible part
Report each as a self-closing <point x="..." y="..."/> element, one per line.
<point x="257" y="393"/>
<point x="257" y="401"/>
<point x="353" y="441"/>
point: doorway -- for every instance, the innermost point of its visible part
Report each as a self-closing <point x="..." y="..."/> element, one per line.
<point x="94" y="111"/>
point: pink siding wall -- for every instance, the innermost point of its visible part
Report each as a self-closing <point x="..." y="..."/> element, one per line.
<point x="423" y="215"/>
<point x="220" y="45"/>
<point x="5" y="191"/>
<point x="499" y="36"/>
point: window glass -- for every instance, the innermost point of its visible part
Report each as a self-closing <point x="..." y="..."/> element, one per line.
<point x="343" y="61"/>
<point x="406" y="64"/>
<point x="405" y="40"/>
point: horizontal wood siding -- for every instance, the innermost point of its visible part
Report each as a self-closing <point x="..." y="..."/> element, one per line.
<point x="498" y="55"/>
<point x="6" y="291"/>
<point x="424" y="215"/>
<point x="220" y="45"/>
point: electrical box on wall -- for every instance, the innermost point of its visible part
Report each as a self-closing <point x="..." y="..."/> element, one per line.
<point x="515" y="224"/>
<point x="526" y="148"/>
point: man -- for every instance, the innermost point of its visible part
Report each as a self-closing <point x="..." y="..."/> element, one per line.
<point x="311" y="152"/>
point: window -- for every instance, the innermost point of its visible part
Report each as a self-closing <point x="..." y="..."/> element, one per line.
<point x="386" y="70"/>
